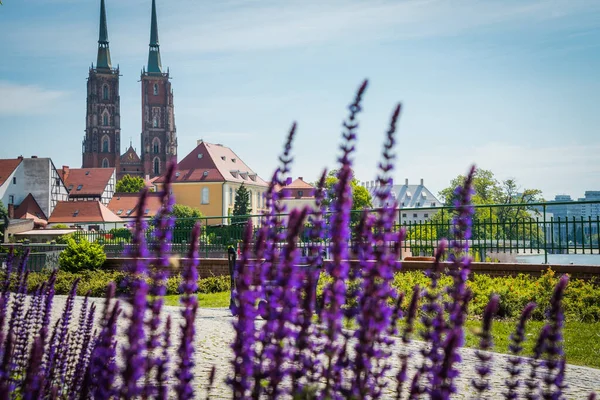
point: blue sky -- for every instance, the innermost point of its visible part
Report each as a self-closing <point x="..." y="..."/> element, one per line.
<point x="512" y="86"/>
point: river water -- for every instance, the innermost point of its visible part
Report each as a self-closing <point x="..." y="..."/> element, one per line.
<point x="577" y="259"/>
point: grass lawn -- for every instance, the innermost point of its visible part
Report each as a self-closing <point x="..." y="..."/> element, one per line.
<point x="210" y="300"/>
<point x="582" y="340"/>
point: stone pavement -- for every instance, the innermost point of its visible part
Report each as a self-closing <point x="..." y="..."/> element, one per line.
<point x="215" y="333"/>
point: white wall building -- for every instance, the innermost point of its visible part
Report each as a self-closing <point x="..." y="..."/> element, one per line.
<point x="413" y="201"/>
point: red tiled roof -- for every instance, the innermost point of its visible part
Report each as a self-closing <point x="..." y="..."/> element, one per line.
<point x="93" y="181"/>
<point x="7" y="167"/>
<point x="215" y="163"/>
<point x="294" y="188"/>
<point x="81" y="211"/>
<point x="125" y="205"/>
<point x="29" y="206"/>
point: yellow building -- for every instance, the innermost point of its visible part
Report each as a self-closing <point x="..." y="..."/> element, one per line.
<point x="208" y="178"/>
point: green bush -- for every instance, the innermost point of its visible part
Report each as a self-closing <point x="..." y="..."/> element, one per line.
<point x="214" y="284"/>
<point x="581" y="302"/>
<point x="81" y="255"/>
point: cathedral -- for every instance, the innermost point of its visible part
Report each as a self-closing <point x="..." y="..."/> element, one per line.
<point x="102" y="142"/>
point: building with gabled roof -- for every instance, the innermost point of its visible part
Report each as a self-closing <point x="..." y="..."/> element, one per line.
<point x="410" y="198"/>
<point x="125" y="205"/>
<point x="89" y="184"/>
<point x="296" y="194"/>
<point x="22" y="177"/>
<point x="208" y="178"/>
<point x="92" y="215"/>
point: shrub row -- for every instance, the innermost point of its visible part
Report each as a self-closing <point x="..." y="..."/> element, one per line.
<point x="95" y="282"/>
<point x="581" y="302"/>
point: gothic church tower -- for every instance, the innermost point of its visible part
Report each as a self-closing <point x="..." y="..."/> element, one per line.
<point x="159" y="140"/>
<point x="101" y="145"/>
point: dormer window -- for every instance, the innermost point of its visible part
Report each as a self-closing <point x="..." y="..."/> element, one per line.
<point x="79" y="187"/>
<point x="223" y="158"/>
<point x="233" y="160"/>
<point x="119" y="212"/>
<point x="70" y="188"/>
<point x="156" y="89"/>
<point x="76" y="213"/>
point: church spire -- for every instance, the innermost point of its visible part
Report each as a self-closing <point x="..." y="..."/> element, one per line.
<point x="154" y="64"/>
<point x="103" y="60"/>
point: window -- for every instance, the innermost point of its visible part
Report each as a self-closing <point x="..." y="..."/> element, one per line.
<point x="79" y="187"/>
<point x="105" y="120"/>
<point x="11" y="199"/>
<point x="156" y="146"/>
<point x="119" y="212"/>
<point x="233" y="160"/>
<point x="70" y="188"/>
<point x="257" y="200"/>
<point x="105" y="145"/>
<point x="403" y="215"/>
<point x="425" y="215"/>
<point x="250" y="197"/>
<point x="415" y="215"/>
<point x="156" y="166"/>
<point x="155" y="122"/>
<point x="105" y="92"/>
<point x="402" y="204"/>
<point x="418" y="204"/>
<point x="147" y="211"/>
<point x="156" y="89"/>
<point x="432" y="204"/>
<point x="129" y="212"/>
<point x="300" y="193"/>
<point x="205" y="195"/>
<point x="76" y="213"/>
<point x="14" y="180"/>
<point x="105" y="163"/>
<point x="230" y="196"/>
<point x="223" y="158"/>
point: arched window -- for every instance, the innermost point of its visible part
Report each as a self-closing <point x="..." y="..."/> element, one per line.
<point x="205" y="195"/>
<point x="156" y="89"/>
<point x="105" y="144"/>
<point x="105" y="92"/>
<point x="156" y="166"/>
<point x="156" y="146"/>
<point x="155" y="121"/>
<point x="105" y="163"/>
<point x="105" y="119"/>
<point x="230" y="196"/>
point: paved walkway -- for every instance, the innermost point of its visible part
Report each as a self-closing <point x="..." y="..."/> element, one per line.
<point x="215" y="333"/>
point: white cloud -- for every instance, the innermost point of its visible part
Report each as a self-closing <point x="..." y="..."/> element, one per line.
<point x="27" y="99"/>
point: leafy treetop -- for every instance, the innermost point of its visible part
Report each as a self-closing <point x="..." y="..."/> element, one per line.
<point x="130" y="184"/>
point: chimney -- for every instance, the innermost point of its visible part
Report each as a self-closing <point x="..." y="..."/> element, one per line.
<point x="406" y="182"/>
<point x="34" y="157"/>
<point x="20" y="157"/>
<point x="300" y="178"/>
<point x="421" y="181"/>
<point x="11" y="211"/>
<point x="65" y="170"/>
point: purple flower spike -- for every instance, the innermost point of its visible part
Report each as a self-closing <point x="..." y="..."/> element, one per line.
<point x="516" y="346"/>
<point x="485" y="343"/>
<point x="184" y="388"/>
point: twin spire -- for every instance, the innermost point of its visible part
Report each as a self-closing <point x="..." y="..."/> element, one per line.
<point x="104" y="62"/>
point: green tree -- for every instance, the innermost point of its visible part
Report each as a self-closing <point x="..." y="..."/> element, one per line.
<point x="81" y="255"/>
<point x="361" y="198"/>
<point x="185" y="219"/>
<point x="242" y="205"/>
<point x="130" y="184"/>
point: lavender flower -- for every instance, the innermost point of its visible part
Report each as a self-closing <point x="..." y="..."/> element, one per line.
<point x="184" y="375"/>
<point x="516" y="346"/>
<point x="485" y="343"/>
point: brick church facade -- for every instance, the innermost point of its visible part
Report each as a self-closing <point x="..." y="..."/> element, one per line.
<point x="102" y="142"/>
